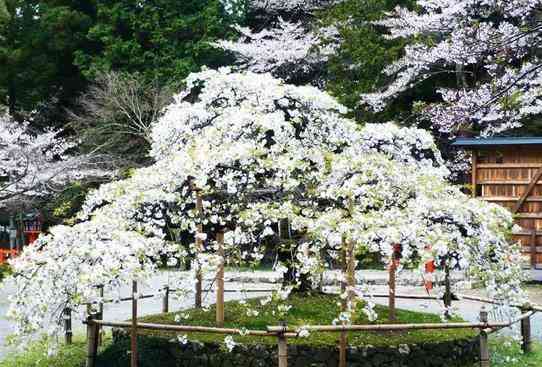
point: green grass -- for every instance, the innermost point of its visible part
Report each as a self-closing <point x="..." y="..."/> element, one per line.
<point x="310" y="310"/>
<point x="505" y="353"/>
<point x="36" y="356"/>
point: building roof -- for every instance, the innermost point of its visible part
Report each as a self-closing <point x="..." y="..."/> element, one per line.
<point x="496" y="141"/>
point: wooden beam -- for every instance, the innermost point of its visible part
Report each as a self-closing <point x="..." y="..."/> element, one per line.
<point x="508" y="165"/>
<point x="528" y="191"/>
<point x="503" y="182"/>
<point x="474" y="172"/>
<point x="533" y="249"/>
<point x="529" y="215"/>
<point x="509" y="198"/>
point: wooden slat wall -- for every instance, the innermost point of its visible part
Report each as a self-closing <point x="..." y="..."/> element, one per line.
<point x="502" y="175"/>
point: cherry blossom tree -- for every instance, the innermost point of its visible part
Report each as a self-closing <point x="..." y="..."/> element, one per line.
<point x="255" y="150"/>
<point x="288" y="45"/>
<point x="487" y="49"/>
<point x="35" y="164"/>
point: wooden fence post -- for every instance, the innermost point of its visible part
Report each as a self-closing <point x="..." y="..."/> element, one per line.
<point x="133" y="338"/>
<point x="282" y="346"/>
<point x="526" y="334"/>
<point x="199" y="247"/>
<point x="92" y="341"/>
<point x="484" y="346"/>
<point x="220" y="281"/>
<point x="165" y="300"/>
<point x="68" y="333"/>
<point x="348" y="270"/>
<point x="100" y="315"/>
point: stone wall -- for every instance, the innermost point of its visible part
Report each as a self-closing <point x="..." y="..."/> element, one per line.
<point x="163" y="352"/>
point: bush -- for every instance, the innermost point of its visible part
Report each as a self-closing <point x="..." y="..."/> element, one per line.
<point x="5" y="270"/>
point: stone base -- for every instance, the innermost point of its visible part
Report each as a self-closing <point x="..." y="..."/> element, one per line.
<point x="163" y="352"/>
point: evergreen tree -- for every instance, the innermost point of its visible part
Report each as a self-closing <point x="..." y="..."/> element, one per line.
<point x="163" y="40"/>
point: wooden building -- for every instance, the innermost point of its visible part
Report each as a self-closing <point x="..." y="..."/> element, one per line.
<point x="508" y="172"/>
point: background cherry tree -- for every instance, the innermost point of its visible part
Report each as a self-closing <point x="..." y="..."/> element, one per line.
<point x="283" y="39"/>
<point x="34" y="163"/>
<point x="483" y="54"/>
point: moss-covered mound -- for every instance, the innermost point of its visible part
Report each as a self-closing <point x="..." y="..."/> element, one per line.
<point x="317" y="309"/>
<point x="435" y="348"/>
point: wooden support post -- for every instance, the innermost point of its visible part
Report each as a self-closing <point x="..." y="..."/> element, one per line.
<point x="348" y="263"/>
<point x="282" y="347"/>
<point x="220" y="281"/>
<point x="342" y="349"/>
<point x="133" y="355"/>
<point x="92" y="341"/>
<point x="100" y="315"/>
<point x="199" y="248"/>
<point x="351" y="273"/>
<point x="474" y="172"/>
<point x="526" y="345"/>
<point x="391" y="298"/>
<point x="533" y="249"/>
<point x="484" y="345"/>
<point x="68" y="333"/>
<point x="392" y="281"/>
<point x="447" y="290"/>
<point x="165" y="300"/>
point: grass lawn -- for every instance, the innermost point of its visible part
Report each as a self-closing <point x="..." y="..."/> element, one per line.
<point x="505" y="353"/>
<point x="317" y="309"/>
<point x="36" y="356"/>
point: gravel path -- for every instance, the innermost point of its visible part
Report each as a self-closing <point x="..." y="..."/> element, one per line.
<point x="265" y="280"/>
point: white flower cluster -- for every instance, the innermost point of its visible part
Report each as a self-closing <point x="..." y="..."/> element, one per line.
<point x="36" y="163"/>
<point x="290" y="49"/>
<point x="255" y="150"/>
<point x="286" y="50"/>
<point x="490" y="46"/>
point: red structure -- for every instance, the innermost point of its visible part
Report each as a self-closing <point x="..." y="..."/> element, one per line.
<point x="32" y="227"/>
<point x="27" y="229"/>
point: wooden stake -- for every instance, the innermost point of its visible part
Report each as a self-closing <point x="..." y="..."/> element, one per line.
<point x="133" y="356"/>
<point x="92" y="341"/>
<point x="199" y="248"/>
<point x="348" y="273"/>
<point x="100" y="315"/>
<point x="447" y="291"/>
<point x="220" y="281"/>
<point x="484" y="346"/>
<point x="283" y="347"/>
<point x="474" y="172"/>
<point x="68" y="333"/>
<point x="165" y="300"/>
<point x="392" y="288"/>
<point x="526" y="345"/>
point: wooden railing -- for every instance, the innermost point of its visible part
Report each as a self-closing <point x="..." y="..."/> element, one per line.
<point x="282" y="332"/>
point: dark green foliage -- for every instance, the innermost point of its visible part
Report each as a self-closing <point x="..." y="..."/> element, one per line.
<point x="357" y="66"/>
<point x="63" y="207"/>
<point x="36" y="52"/>
<point x="163" y="40"/>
